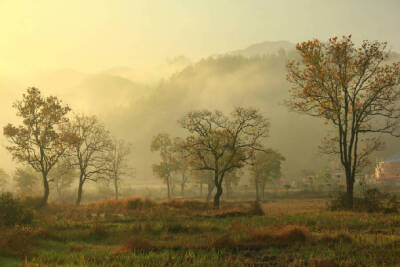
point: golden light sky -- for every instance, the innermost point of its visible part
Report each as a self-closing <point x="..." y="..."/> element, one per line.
<point x="91" y="35"/>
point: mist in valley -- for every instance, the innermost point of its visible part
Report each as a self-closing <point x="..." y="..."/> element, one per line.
<point x="165" y="118"/>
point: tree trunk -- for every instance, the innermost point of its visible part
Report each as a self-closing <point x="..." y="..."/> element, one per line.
<point x="227" y="190"/>
<point x="257" y="190"/>
<point x="168" y="188"/>
<point x="80" y="189"/>
<point x="116" y="188"/>
<point x="182" y="189"/>
<point x="217" y="195"/>
<point x="201" y="189"/>
<point x="263" y="190"/>
<point x="46" y="190"/>
<point x="350" y="191"/>
<point x="210" y="189"/>
<point x="183" y="184"/>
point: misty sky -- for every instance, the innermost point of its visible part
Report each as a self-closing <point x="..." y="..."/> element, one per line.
<point x="42" y="35"/>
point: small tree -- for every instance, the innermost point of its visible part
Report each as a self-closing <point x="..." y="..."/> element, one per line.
<point x="231" y="178"/>
<point x="220" y="144"/>
<point x="27" y="181"/>
<point x="41" y="140"/>
<point x="352" y="89"/>
<point x="168" y="164"/>
<point x="89" y="153"/>
<point x="182" y="162"/>
<point x="266" y="167"/>
<point x="62" y="177"/>
<point x="4" y="177"/>
<point x="204" y="177"/>
<point x="118" y="164"/>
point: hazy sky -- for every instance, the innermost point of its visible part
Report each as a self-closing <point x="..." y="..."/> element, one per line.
<point x="91" y="35"/>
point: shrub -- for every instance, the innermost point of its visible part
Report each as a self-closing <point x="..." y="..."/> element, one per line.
<point x="98" y="231"/>
<point x="292" y="234"/>
<point x="13" y="212"/>
<point x="188" y="204"/>
<point x="33" y="202"/>
<point x="371" y="200"/>
<point x="138" y="203"/>
<point x="256" y="209"/>
<point x="260" y="237"/>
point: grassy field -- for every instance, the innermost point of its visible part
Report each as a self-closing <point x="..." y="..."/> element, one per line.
<point x="135" y="232"/>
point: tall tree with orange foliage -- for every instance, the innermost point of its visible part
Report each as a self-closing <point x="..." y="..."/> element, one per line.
<point x="353" y="90"/>
<point x="41" y="139"/>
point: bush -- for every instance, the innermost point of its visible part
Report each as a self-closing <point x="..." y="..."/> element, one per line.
<point x="291" y="234"/>
<point x="13" y="212"/>
<point x="138" y="203"/>
<point x="34" y="202"/>
<point x="371" y="200"/>
<point x="256" y="209"/>
<point x="188" y="204"/>
<point x="98" y="232"/>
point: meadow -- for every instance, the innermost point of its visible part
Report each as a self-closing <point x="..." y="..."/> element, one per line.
<point x="140" y="232"/>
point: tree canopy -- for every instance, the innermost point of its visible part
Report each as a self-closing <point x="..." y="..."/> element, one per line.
<point x="353" y="90"/>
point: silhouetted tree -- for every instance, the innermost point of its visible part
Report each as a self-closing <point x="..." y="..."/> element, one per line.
<point x="266" y="167"/>
<point x="118" y="164"/>
<point x="89" y="153"/>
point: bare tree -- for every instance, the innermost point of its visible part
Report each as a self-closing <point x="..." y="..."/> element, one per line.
<point x="118" y="164"/>
<point x="62" y="177"/>
<point x="266" y="167"/>
<point x="231" y="178"/>
<point x="41" y="140"/>
<point x="89" y="153"/>
<point x="182" y="162"/>
<point x="353" y="90"/>
<point x="220" y="144"/>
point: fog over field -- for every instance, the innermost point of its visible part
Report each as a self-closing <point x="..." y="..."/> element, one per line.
<point x="121" y="62"/>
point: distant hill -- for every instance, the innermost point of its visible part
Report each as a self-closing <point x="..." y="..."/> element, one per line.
<point x="265" y="48"/>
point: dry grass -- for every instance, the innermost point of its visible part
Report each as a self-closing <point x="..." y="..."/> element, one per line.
<point x="335" y="239"/>
<point x="135" y="244"/>
<point x="16" y="241"/>
<point x="289" y="235"/>
<point x="222" y="242"/>
<point x="256" y="209"/>
<point x="195" y="233"/>
<point x="188" y="204"/>
<point x="294" y="207"/>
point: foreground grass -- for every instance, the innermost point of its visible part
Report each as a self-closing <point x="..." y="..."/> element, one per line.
<point x="142" y="233"/>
